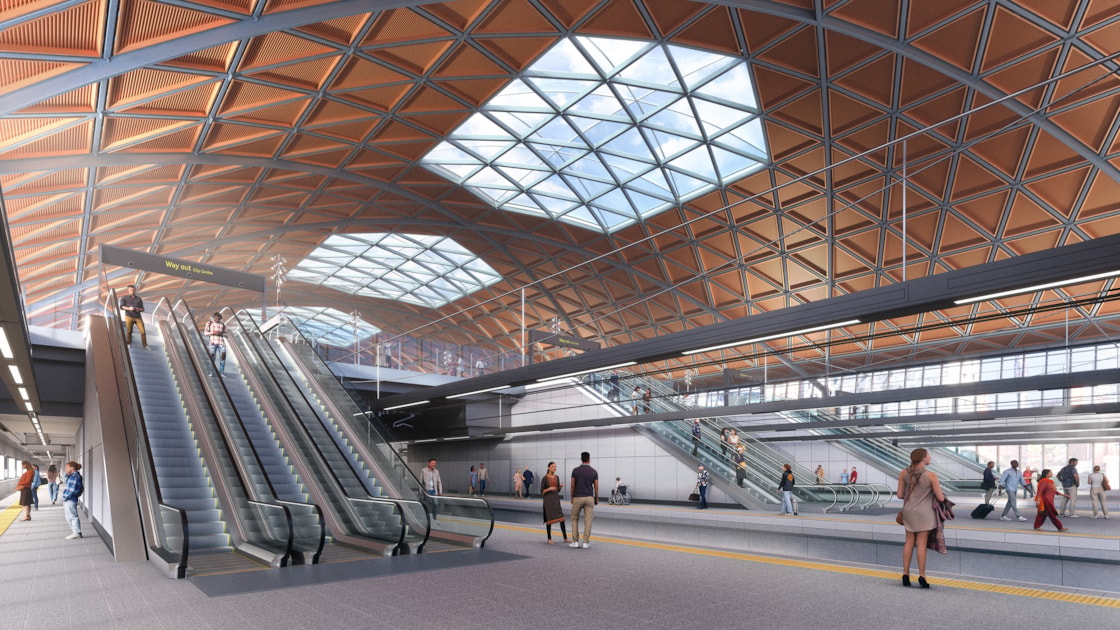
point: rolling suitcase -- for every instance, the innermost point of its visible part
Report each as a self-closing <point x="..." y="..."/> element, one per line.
<point x="983" y="510"/>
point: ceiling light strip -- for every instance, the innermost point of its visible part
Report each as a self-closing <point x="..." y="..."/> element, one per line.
<point x="1037" y="287"/>
<point x="793" y="333"/>
<point x="411" y="404"/>
<point x="587" y="371"/>
<point x="479" y="391"/>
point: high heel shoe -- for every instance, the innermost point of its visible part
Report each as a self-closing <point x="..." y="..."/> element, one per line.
<point x="922" y="582"/>
<point x="906" y="580"/>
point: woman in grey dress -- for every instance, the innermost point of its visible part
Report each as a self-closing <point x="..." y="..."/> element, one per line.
<point x="917" y="487"/>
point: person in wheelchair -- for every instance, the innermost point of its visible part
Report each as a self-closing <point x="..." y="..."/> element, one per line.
<point x="619" y="495"/>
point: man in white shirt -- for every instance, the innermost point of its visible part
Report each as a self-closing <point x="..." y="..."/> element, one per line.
<point x="433" y="485"/>
<point x="1011" y="479"/>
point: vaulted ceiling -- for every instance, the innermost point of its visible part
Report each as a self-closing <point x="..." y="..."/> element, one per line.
<point x="906" y="139"/>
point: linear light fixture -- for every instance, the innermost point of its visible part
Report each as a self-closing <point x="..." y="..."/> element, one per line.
<point x="411" y="404"/>
<point x="30" y="407"/>
<point x="23" y="393"/>
<point x="588" y="371"/>
<point x="792" y="333"/>
<point x="479" y="391"/>
<point x="16" y="376"/>
<point x="5" y="347"/>
<point x="1037" y="287"/>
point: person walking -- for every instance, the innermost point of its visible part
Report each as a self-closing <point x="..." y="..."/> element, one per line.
<point x="473" y="481"/>
<point x="432" y="484"/>
<point x="615" y="391"/>
<point x="71" y="492"/>
<point x="1028" y="482"/>
<point x="1071" y="481"/>
<point x="52" y="482"/>
<point x="215" y="332"/>
<point x="23" y="485"/>
<point x="917" y="487"/>
<point x="36" y="481"/>
<point x="1044" y="499"/>
<point x="483" y="477"/>
<point x="635" y="399"/>
<point x="133" y="307"/>
<point x="988" y="485"/>
<point x="785" y="484"/>
<point x="550" y="500"/>
<point x="853" y="475"/>
<point x="820" y="474"/>
<point x="528" y="475"/>
<point x="518" y="484"/>
<point x="1010" y="480"/>
<point x="695" y="436"/>
<point x="647" y="400"/>
<point x="1098" y="485"/>
<point x="585" y="496"/>
<point x="703" y="478"/>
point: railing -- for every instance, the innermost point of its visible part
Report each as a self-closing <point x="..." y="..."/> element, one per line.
<point x="168" y="533"/>
<point x="463" y="516"/>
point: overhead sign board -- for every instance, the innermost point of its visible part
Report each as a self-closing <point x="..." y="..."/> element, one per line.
<point x="561" y="340"/>
<point x="181" y="268"/>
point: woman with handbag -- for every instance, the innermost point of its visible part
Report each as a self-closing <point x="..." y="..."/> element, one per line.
<point x="24" y="487"/>
<point x="917" y="487"/>
<point x="1098" y="485"/>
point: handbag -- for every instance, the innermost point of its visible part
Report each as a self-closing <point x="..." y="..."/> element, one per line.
<point x="1105" y="485"/>
<point x="695" y="496"/>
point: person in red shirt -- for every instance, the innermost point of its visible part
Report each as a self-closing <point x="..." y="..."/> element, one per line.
<point x="853" y="475"/>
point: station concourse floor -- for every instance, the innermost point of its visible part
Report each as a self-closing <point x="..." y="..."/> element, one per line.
<point x="619" y="583"/>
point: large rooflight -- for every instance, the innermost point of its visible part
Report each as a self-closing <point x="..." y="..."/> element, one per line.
<point x="419" y="269"/>
<point x="327" y="325"/>
<point x="604" y="132"/>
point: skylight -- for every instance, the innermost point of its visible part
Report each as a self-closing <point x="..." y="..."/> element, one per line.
<point x="604" y="132"/>
<point x="327" y="325"/>
<point x="419" y="269"/>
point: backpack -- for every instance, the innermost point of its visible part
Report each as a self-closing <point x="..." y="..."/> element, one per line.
<point x="1065" y="476"/>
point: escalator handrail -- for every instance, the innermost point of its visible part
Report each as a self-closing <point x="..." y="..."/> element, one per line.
<point x="143" y="441"/>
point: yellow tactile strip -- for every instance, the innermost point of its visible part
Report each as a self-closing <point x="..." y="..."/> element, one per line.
<point x="1020" y="591"/>
<point x="8" y="516"/>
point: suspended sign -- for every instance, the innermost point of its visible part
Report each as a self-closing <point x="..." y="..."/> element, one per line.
<point x="181" y="268"/>
<point x="561" y="340"/>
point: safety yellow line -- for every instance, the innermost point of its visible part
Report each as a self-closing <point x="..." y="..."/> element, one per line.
<point x="1106" y="602"/>
<point x="8" y="516"/>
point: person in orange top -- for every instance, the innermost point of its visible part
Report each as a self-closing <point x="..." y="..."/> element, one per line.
<point x="1044" y="497"/>
<point x="24" y="487"/>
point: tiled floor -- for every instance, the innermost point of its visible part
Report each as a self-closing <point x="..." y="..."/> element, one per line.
<point x="47" y="583"/>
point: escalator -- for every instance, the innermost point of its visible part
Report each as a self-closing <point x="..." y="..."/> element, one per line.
<point x="456" y="521"/>
<point x="275" y="530"/>
<point x="355" y="513"/>
<point x="764" y="464"/>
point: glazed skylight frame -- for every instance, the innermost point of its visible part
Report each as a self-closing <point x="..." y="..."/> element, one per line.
<point x="323" y="324"/>
<point x="422" y="269"/>
<point x="592" y="133"/>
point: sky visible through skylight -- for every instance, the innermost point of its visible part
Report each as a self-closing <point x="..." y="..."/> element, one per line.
<point x="422" y="269"/>
<point x="327" y="325"/>
<point x="604" y="132"/>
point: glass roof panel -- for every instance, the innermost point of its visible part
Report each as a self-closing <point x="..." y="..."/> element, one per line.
<point x="610" y="54"/>
<point x="416" y="260"/>
<point x="603" y="132"/>
<point x="326" y="325"/>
